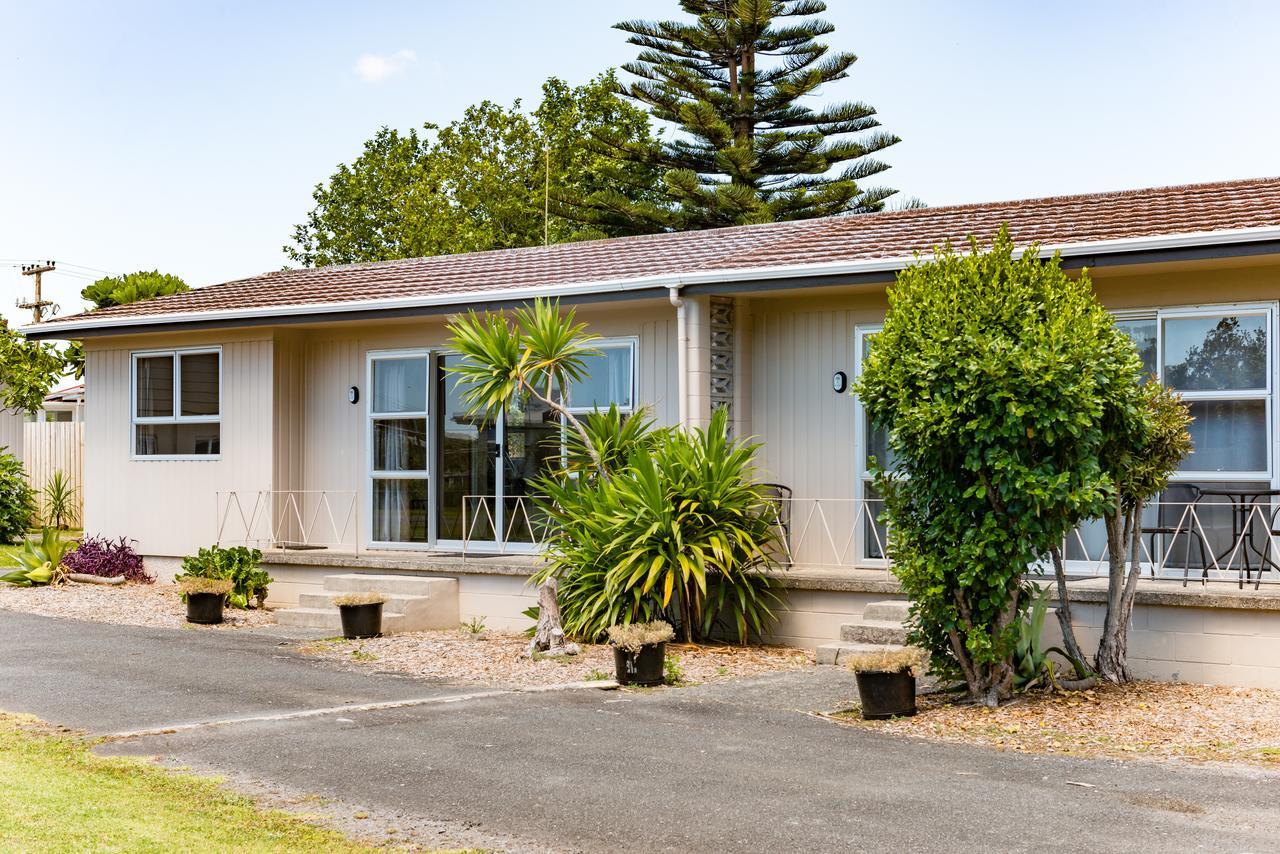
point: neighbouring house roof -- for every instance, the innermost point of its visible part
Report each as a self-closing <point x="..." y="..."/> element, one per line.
<point x="66" y="394"/>
<point x="1092" y="225"/>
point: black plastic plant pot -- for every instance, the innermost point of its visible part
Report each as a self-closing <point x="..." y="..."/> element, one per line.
<point x="204" y="608"/>
<point x="887" y="695"/>
<point x="640" y="668"/>
<point x="361" y="621"/>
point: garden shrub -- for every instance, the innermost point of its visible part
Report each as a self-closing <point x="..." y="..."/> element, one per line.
<point x="996" y="378"/>
<point x="17" y="500"/>
<point x="239" y="564"/>
<point x="106" y="558"/>
<point x="680" y="533"/>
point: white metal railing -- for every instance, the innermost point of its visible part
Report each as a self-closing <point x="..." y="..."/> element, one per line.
<point x="831" y="533"/>
<point x="1181" y="541"/>
<point x="289" y="519"/>
<point x="1192" y="541"/>
<point x="523" y="526"/>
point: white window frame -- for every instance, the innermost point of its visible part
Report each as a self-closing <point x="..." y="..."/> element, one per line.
<point x="177" y="417"/>
<point x="372" y="474"/>
<point x="861" y="444"/>
<point x="1255" y="309"/>
<point x="632" y="345"/>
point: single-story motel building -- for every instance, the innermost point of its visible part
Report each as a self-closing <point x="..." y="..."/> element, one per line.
<point x="311" y="412"/>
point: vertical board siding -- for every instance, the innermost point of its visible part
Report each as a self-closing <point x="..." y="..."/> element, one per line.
<point x="807" y="429"/>
<point x="170" y="506"/>
<point x="54" y="446"/>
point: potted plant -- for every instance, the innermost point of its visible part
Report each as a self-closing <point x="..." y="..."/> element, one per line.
<point x="361" y="614"/>
<point x="205" y="597"/>
<point x="887" y="682"/>
<point x="639" y="650"/>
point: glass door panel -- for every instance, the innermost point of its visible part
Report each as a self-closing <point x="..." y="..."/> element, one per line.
<point x="531" y="447"/>
<point x="398" y="443"/>
<point x="468" y="464"/>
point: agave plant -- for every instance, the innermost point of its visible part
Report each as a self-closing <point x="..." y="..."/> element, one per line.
<point x="1032" y="665"/>
<point x="41" y="561"/>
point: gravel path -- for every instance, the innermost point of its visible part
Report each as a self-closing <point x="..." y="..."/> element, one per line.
<point x="1154" y="719"/>
<point x="498" y="657"/>
<point x="151" y="605"/>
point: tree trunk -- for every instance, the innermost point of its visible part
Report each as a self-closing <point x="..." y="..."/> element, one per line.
<point x="548" y="637"/>
<point x="1064" y="607"/>
<point x="1124" y="541"/>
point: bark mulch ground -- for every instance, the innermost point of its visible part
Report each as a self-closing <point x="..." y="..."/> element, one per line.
<point x="1199" y="723"/>
<point x="151" y="605"/>
<point x="498" y="657"/>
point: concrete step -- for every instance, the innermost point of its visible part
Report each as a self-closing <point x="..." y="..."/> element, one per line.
<point x="890" y="610"/>
<point x="414" y="603"/>
<point x="330" y="620"/>
<point x="390" y="585"/>
<point x="838" y="652"/>
<point x="873" y="632"/>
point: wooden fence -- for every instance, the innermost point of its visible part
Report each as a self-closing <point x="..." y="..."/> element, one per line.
<point x="55" y="446"/>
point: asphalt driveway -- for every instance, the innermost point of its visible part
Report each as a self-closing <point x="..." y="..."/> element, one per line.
<point x="732" y="767"/>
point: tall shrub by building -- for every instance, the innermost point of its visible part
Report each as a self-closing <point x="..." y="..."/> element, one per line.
<point x="996" y="375"/>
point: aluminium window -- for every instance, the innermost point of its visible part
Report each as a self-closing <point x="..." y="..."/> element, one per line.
<point x="399" y="446"/>
<point x="177" y="403"/>
<point x="609" y="378"/>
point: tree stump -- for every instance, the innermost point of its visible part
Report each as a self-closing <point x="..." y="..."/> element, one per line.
<point x="548" y="637"/>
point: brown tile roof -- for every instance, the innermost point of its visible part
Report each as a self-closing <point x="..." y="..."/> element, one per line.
<point x="897" y="234"/>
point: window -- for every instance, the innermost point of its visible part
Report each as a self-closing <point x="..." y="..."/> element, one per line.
<point x="177" y="404"/>
<point x="609" y="380"/>
<point x="1218" y="360"/>
<point x="398" y="446"/>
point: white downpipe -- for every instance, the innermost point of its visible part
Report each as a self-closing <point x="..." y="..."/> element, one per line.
<point x="682" y="356"/>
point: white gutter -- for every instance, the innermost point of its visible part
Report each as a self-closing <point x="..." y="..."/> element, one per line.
<point x="682" y="355"/>
<point x="670" y="280"/>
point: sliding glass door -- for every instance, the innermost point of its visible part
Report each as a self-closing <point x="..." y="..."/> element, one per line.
<point x="469" y="448"/>
<point x="399" y="449"/>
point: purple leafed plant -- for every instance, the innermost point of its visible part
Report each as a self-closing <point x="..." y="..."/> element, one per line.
<point x="107" y="559"/>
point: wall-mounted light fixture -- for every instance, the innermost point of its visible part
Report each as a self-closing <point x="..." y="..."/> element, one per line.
<point x="353" y="394"/>
<point x="839" y="382"/>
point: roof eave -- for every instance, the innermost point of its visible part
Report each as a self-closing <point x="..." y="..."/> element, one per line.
<point x="1189" y="245"/>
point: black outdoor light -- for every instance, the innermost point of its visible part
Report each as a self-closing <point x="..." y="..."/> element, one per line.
<point x="353" y="394"/>
<point x="839" y="382"/>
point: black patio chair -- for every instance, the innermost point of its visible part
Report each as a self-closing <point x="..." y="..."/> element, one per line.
<point x="779" y="496"/>
<point x="1172" y="521"/>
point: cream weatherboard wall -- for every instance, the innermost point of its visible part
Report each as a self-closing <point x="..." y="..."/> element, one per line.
<point x="169" y="506"/>
<point x="332" y="430"/>
<point x="287" y="424"/>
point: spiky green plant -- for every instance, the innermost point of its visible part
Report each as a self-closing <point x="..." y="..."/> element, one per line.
<point x="59" y="495"/>
<point x="681" y="533"/>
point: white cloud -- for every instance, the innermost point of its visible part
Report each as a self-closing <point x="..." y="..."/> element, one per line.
<point x="375" y="68"/>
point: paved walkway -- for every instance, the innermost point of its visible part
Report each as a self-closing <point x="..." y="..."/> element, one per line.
<point x="730" y="767"/>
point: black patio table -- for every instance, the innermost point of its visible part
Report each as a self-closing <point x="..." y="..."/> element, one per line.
<point x="1243" y="502"/>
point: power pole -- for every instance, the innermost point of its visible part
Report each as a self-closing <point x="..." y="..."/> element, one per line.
<point x="38" y="304"/>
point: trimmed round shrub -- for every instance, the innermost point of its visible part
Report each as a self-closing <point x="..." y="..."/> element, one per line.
<point x="17" y="500"/>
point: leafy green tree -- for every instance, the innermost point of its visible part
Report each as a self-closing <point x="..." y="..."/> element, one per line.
<point x="28" y="370"/>
<point x="996" y="377"/>
<point x="481" y="182"/>
<point x="733" y="82"/>
<point x="132" y="287"/>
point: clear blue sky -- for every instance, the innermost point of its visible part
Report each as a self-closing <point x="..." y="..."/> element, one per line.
<point x="188" y="136"/>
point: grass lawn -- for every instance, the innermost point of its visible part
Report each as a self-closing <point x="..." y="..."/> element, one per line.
<point x="59" y="796"/>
